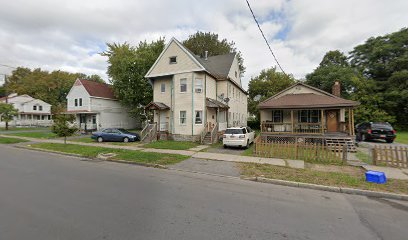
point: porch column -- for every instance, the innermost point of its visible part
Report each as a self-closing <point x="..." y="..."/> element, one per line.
<point x="352" y="121"/>
<point x="321" y="120"/>
<point x="349" y="121"/>
<point x="158" y="122"/>
<point x="291" y="120"/>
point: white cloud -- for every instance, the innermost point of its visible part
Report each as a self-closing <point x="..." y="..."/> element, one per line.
<point x="68" y="35"/>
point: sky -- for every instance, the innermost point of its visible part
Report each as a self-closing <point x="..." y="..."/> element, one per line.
<point x="69" y="35"/>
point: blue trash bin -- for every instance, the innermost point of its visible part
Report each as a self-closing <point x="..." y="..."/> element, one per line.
<point x="375" y="177"/>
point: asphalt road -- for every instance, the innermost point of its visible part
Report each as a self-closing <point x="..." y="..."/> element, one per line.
<point x="47" y="196"/>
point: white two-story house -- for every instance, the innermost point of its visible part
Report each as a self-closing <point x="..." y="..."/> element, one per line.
<point x="95" y="107"/>
<point x="193" y="96"/>
<point x="31" y="111"/>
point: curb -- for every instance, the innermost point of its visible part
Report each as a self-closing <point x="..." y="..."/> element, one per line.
<point x="137" y="163"/>
<point x="345" y="190"/>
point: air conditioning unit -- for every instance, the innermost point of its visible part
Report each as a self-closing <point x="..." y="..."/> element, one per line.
<point x="199" y="90"/>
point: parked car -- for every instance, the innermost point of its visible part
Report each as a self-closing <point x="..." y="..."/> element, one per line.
<point x="115" y="135"/>
<point x="238" y="137"/>
<point x="375" y="130"/>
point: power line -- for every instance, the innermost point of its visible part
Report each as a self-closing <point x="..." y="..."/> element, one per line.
<point x="5" y="65"/>
<point x="263" y="35"/>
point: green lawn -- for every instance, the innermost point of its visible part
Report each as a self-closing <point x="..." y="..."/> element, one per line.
<point x="122" y="154"/>
<point x="363" y="157"/>
<point x="25" y="129"/>
<point x="402" y="137"/>
<point x="83" y="140"/>
<point x="35" y="134"/>
<point x="339" y="179"/>
<point x="171" y="145"/>
<point x="6" y="140"/>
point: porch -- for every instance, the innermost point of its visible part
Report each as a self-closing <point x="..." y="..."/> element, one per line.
<point x="85" y="120"/>
<point x="317" y="122"/>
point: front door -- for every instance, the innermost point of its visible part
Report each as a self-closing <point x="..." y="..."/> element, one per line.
<point x="82" y="121"/>
<point x="163" y="121"/>
<point x="332" y="124"/>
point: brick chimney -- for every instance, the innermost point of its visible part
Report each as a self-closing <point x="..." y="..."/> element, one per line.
<point x="336" y="89"/>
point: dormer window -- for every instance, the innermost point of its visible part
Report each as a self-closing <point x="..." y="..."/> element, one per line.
<point x="35" y="107"/>
<point x="40" y="108"/>
<point x="173" y="60"/>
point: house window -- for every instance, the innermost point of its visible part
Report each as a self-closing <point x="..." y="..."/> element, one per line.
<point x="76" y="102"/>
<point x="198" y="117"/>
<point x="236" y="74"/>
<point x="198" y="85"/>
<point x="49" y="117"/>
<point x="163" y="87"/>
<point x="183" y="117"/>
<point x="309" y="116"/>
<point x="173" y="60"/>
<point x="183" y="85"/>
<point x="277" y="116"/>
<point x="40" y="108"/>
<point x="34" y="108"/>
<point x="80" y="102"/>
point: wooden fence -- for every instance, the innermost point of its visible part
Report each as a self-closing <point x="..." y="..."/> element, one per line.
<point x="309" y="152"/>
<point x="390" y="156"/>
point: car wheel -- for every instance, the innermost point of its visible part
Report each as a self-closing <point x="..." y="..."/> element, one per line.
<point x="125" y="139"/>
<point x="389" y="140"/>
<point x="363" y="137"/>
<point x="100" y="139"/>
<point x="247" y="145"/>
<point x="225" y="146"/>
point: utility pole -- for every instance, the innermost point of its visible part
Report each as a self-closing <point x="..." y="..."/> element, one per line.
<point x="6" y="92"/>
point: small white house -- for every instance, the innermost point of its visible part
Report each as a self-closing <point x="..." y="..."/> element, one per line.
<point x="95" y="107"/>
<point x="31" y="111"/>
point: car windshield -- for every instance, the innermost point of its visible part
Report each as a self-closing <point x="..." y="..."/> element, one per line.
<point x="124" y="130"/>
<point x="233" y="131"/>
<point x="381" y="125"/>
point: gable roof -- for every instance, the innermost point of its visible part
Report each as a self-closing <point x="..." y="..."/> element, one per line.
<point x="217" y="66"/>
<point x="96" y="89"/>
<point x="305" y="100"/>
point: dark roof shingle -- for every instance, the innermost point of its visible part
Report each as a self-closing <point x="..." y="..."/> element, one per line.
<point x="96" y="89"/>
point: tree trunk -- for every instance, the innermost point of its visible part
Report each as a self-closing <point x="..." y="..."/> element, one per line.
<point x="65" y="139"/>
<point x="7" y="126"/>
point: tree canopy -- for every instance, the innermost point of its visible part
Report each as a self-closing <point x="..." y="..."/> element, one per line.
<point x="266" y="84"/>
<point x="200" y="42"/>
<point x="7" y="112"/>
<point x="127" y="67"/>
<point x="64" y="126"/>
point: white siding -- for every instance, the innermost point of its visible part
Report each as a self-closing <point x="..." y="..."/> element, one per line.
<point x="111" y="114"/>
<point x="235" y="69"/>
<point x="77" y="92"/>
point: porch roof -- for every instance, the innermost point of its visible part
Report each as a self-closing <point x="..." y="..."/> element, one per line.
<point x="156" y="106"/>
<point x="212" y="103"/>
<point x="306" y="101"/>
<point x="80" y="112"/>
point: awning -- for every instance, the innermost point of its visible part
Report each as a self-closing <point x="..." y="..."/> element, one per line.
<point x="156" y="106"/>
<point x="212" y="103"/>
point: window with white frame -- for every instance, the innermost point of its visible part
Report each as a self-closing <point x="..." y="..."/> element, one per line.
<point x="80" y="102"/>
<point x="40" y="108"/>
<point x="35" y="107"/>
<point x="76" y="102"/>
<point x="183" y="117"/>
<point x="163" y="87"/>
<point x="183" y="85"/>
<point x="198" y="117"/>
<point x="277" y="116"/>
<point x="199" y="85"/>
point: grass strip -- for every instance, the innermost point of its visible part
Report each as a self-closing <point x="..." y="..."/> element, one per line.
<point x="175" y="145"/>
<point x="337" y="179"/>
<point x="121" y="154"/>
<point x="6" y="140"/>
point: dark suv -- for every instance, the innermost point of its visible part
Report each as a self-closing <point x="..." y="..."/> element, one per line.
<point x="375" y="130"/>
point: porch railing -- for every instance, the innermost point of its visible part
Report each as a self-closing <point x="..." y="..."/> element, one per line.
<point x="42" y="123"/>
<point x="214" y="132"/>
<point x="222" y="126"/>
<point x="292" y="128"/>
<point x="204" y="132"/>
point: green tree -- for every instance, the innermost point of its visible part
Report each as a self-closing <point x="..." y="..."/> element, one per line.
<point x="7" y="112"/>
<point x="64" y="126"/>
<point x="384" y="59"/>
<point x="200" y="42"/>
<point x="2" y="91"/>
<point x="127" y="67"/>
<point x="266" y="84"/>
<point x="334" y="67"/>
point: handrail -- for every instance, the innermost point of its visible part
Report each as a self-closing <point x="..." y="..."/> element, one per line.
<point x="143" y="132"/>
<point x="203" y="133"/>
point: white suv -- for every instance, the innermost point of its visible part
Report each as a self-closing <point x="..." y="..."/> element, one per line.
<point x="238" y="137"/>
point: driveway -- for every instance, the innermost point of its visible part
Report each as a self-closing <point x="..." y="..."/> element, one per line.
<point x="209" y="166"/>
<point x="372" y="143"/>
<point x="48" y="196"/>
<point x="229" y="150"/>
